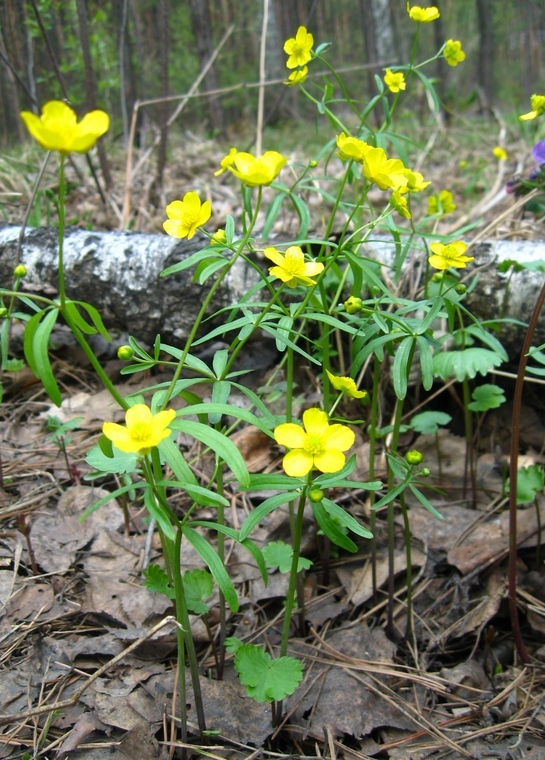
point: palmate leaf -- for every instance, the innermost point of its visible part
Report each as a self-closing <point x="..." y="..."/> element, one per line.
<point x="119" y="462"/>
<point x="198" y="586"/>
<point x="156" y="580"/>
<point x="428" y="422"/>
<point x="267" y="679"/>
<point x="465" y="363"/>
<point x="530" y="482"/>
<point x="486" y="397"/>
<point x="279" y="555"/>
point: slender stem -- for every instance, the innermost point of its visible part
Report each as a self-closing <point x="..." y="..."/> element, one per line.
<point x="220" y="515"/>
<point x="208" y="300"/>
<point x="62" y="193"/>
<point x="104" y="379"/>
<point x="182" y="616"/>
<point x="390" y="508"/>
<point x="372" y="447"/>
<point x="469" y="461"/>
<point x="409" y="571"/>
<point x="293" y="573"/>
<point x="289" y="384"/>
<point x="513" y="472"/>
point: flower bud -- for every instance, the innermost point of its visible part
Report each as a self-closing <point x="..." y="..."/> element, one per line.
<point x="125" y="353"/>
<point x="353" y="305"/>
<point x="425" y="472"/>
<point x="460" y="288"/>
<point x="3" y="311"/>
<point x="19" y="271"/>
<point x="316" y="495"/>
<point x="219" y="237"/>
<point x="313" y="164"/>
<point x="414" y="456"/>
<point x="437" y="277"/>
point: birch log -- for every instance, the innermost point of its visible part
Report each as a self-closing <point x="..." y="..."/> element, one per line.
<point x="119" y="274"/>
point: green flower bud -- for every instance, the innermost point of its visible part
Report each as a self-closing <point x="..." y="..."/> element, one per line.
<point x="414" y="457"/>
<point x="316" y="495"/>
<point x="437" y="277"/>
<point x="19" y="271"/>
<point x="353" y="305"/>
<point x="313" y="164"/>
<point x="425" y="472"/>
<point x="3" y="311"/>
<point x="125" y="353"/>
<point x="460" y="288"/>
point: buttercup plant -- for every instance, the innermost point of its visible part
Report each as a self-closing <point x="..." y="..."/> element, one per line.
<point x="325" y="303"/>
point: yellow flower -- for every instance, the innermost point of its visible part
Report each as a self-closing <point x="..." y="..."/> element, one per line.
<point x="143" y="429"/>
<point x="394" y="80"/>
<point x="218" y="238"/>
<point x="423" y="15"/>
<point x="538" y="107"/>
<point x="351" y="147"/>
<point x="297" y="77"/>
<point x="399" y="202"/>
<point x="292" y="268"/>
<point x="500" y="153"/>
<point x="345" y="385"/>
<point x="318" y="445"/>
<point x="254" y="171"/>
<point x="226" y="162"/>
<point x="185" y="216"/>
<point x="58" y="128"/>
<point x="462" y="164"/>
<point x="453" y="52"/>
<point x="298" y="48"/>
<point x="387" y="173"/>
<point x="415" y="181"/>
<point x="450" y="255"/>
<point x="445" y="202"/>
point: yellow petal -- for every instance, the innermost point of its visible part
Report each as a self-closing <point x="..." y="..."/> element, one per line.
<point x="137" y="414"/>
<point x="339" y="437"/>
<point x="315" y="421"/>
<point x="297" y="463"/>
<point x="290" y="435"/>
<point x="274" y="255"/>
<point x="330" y="461"/>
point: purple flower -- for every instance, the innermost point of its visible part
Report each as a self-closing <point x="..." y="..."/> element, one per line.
<point x="538" y="152"/>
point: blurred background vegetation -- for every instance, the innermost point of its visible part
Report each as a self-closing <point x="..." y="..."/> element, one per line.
<point x="113" y="53"/>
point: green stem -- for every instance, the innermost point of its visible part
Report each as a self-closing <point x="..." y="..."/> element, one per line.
<point x="182" y="616"/>
<point x="372" y="447"/>
<point x="62" y="192"/>
<point x="241" y="343"/>
<point x="293" y="572"/>
<point x="220" y="515"/>
<point x="409" y="571"/>
<point x="289" y="384"/>
<point x="208" y="300"/>
<point x="90" y="354"/>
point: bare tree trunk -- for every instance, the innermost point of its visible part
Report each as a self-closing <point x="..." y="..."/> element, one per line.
<point x="200" y="17"/>
<point x="163" y="108"/>
<point x="90" y="84"/>
<point x="485" y="60"/>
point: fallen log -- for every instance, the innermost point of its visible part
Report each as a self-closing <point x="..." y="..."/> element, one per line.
<point x="119" y="274"/>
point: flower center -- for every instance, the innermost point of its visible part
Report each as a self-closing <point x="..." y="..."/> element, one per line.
<point x="294" y="263"/>
<point x="314" y="444"/>
<point x="140" y="431"/>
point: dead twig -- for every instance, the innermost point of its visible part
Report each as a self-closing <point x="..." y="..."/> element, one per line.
<point x="6" y="719"/>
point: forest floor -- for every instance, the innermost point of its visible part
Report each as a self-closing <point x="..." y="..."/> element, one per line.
<point x="87" y="654"/>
